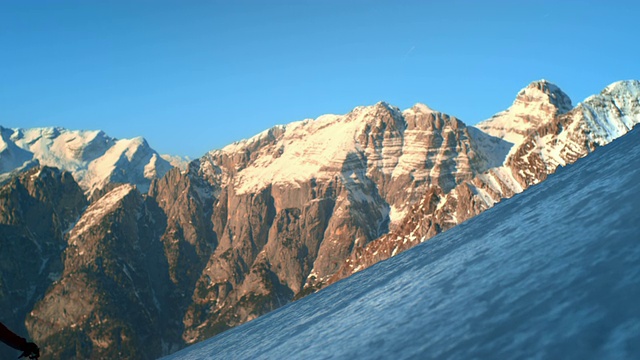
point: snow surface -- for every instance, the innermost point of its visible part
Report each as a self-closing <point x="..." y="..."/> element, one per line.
<point x="12" y="157"/>
<point x="305" y="153"/>
<point x="551" y="273"/>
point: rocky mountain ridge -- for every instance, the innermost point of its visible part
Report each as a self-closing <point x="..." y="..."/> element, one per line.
<point x="293" y="207"/>
<point x="246" y="229"/>
<point x="544" y="139"/>
<point x="550" y="271"/>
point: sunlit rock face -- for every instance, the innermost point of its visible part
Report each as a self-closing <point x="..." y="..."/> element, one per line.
<point x="549" y="273"/>
<point x="294" y="202"/>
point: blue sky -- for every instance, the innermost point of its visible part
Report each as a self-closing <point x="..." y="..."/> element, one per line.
<point x="192" y="76"/>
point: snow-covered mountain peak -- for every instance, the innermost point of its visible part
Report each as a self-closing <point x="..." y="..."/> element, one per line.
<point x="386" y="105"/>
<point x="129" y="146"/>
<point x="180" y="162"/>
<point x="93" y="158"/>
<point x="369" y="114"/>
<point x="537" y="104"/>
<point x="302" y="150"/>
<point x="302" y="128"/>
<point x="625" y="91"/>
<point x="420" y="108"/>
<point x="540" y="93"/>
<point x="12" y="157"/>
<point x="51" y="145"/>
<point x="611" y="113"/>
<point x="624" y="87"/>
<point x="244" y="144"/>
<point x="296" y="152"/>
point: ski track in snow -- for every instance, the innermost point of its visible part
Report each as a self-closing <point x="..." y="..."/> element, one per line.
<point x="550" y="273"/>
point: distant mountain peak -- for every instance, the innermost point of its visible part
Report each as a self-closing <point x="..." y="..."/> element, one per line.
<point x="383" y="104"/>
<point x="546" y="92"/>
<point x="536" y="104"/>
<point x="421" y="108"/>
<point x="624" y="86"/>
<point x="93" y="158"/>
<point x="619" y="104"/>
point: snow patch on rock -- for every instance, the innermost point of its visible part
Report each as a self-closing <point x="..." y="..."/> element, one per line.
<point x="96" y="211"/>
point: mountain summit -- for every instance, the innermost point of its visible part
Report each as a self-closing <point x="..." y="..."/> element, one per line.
<point x="538" y="103"/>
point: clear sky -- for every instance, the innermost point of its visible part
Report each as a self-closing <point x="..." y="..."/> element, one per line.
<point x="192" y="76"/>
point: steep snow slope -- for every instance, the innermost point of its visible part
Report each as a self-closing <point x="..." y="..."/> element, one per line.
<point x="550" y="273"/>
<point x="12" y="157"/>
<point x="93" y="158"/>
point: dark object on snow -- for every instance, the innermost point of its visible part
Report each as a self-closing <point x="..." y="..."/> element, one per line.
<point x="28" y="349"/>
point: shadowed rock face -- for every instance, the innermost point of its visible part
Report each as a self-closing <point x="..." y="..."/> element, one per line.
<point x="185" y="204"/>
<point x="131" y="263"/>
<point x="36" y="209"/>
<point x="113" y="315"/>
<point x="249" y="228"/>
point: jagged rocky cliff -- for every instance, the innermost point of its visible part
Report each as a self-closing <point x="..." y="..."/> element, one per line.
<point x="248" y="228"/>
<point x="293" y="202"/>
<point x="36" y="209"/>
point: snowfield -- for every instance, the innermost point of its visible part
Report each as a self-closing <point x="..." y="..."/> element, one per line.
<point x="551" y="273"/>
<point x="93" y="158"/>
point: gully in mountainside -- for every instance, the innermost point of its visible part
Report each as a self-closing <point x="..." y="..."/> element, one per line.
<point x="28" y="349"/>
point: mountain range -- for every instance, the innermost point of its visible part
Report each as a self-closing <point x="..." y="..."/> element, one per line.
<point x="128" y="257"/>
<point x="94" y="159"/>
<point x="550" y="273"/>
